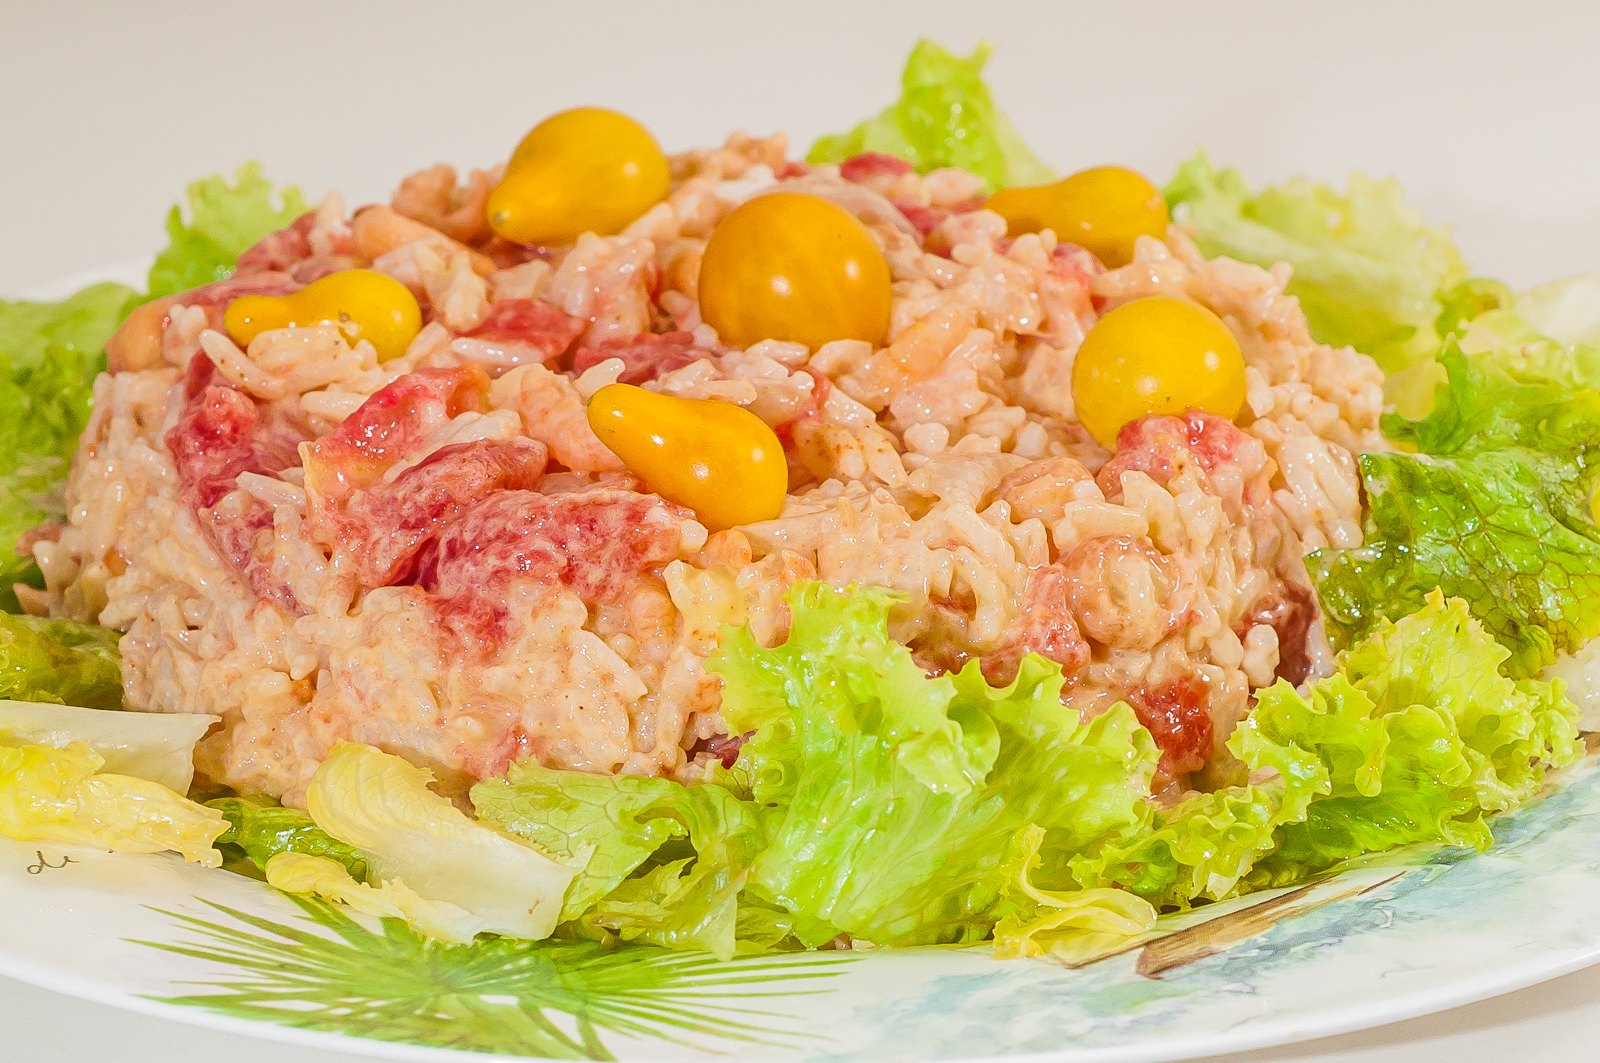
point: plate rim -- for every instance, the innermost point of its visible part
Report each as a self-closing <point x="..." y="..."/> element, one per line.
<point x="1175" y="1047"/>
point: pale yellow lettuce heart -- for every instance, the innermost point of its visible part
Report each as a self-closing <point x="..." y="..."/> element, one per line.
<point x="51" y="794"/>
<point x="303" y="873"/>
<point x="381" y="804"/>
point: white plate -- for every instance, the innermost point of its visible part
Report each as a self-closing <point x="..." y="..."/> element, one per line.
<point x="1370" y="946"/>
<point x="1473" y="114"/>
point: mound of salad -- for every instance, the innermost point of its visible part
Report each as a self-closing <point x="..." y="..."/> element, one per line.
<point x="852" y="784"/>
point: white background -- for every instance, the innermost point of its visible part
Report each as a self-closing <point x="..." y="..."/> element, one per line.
<point x="1486" y="112"/>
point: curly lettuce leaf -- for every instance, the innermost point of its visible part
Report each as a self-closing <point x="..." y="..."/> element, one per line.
<point x="1202" y="847"/>
<point x="62" y="795"/>
<point x="1367" y="271"/>
<point x="668" y="904"/>
<point x="224" y="220"/>
<point x="263" y="829"/>
<point x="59" y="661"/>
<point x="1070" y="926"/>
<point x="1417" y="737"/>
<point x="612" y="825"/>
<point x="945" y="117"/>
<point x="1517" y="346"/>
<point x="1468" y="301"/>
<point x="852" y="679"/>
<point x="1494" y="507"/>
<point x="82" y="322"/>
<point x="1551" y="333"/>
<point x="49" y="356"/>
<point x="1527" y="397"/>
<point x="1206" y="845"/>
<point x="872" y="800"/>
<point x="892" y="802"/>
<point x="1421" y="737"/>
<point x="381" y="805"/>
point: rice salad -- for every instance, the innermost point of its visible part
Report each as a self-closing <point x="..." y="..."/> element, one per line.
<point x="995" y="557"/>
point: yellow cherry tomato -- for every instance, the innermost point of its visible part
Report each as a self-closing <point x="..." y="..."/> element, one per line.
<point x="788" y="266"/>
<point x="1103" y="210"/>
<point x="1155" y="355"/>
<point x="583" y="171"/>
<point x="364" y="304"/>
<point x="718" y="459"/>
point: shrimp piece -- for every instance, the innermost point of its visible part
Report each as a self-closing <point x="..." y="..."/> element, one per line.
<point x="460" y="297"/>
<point x="680" y="266"/>
<point x="918" y="353"/>
<point x="553" y="413"/>
<point x="137" y="343"/>
<point x="330" y="233"/>
<point x="432" y="197"/>
<point x="606" y="281"/>
<point x="379" y="230"/>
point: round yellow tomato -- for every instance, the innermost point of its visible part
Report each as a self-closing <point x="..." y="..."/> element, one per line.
<point x="1155" y="356"/>
<point x="788" y="266"/>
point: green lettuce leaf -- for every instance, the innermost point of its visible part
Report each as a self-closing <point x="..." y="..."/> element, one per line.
<point x="1202" y="847"/>
<point x="1494" y="508"/>
<point x="1367" y="271"/>
<point x="49" y="356"/>
<point x="59" y="661"/>
<point x="82" y="322"/>
<point x="1206" y="845"/>
<point x="892" y="802"/>
<point x="945" y="117"/>
<point x="1467" y="301"/>
<point x="613" y="825"/>
<point x="224" y="220"/>
<point x="1416" y="738"/>
<point x="872" y="800"/>
<point x="868" y="798"/>
<point x="263" y="828"/>
<point x="1517" y="347"/>
<point x="688" y="903"/>
<point x="42" y="412"/>
<point x="1071" y="925"/>
<point x="1420" y="736"/>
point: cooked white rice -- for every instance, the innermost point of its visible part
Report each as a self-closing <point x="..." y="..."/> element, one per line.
<point x="947" y="465"/>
